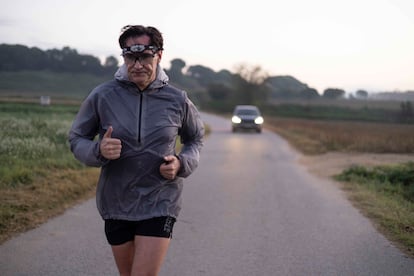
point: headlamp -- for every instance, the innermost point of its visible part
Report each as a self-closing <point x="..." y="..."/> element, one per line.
<point x="139" y="48"/>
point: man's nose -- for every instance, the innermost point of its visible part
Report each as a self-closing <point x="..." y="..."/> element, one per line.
<point x="137" y="63"/>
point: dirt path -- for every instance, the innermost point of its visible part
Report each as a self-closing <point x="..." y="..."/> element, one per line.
<point x="332" y="163"/>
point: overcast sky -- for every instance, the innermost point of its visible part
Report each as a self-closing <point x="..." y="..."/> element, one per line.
<point x="347" y="44"/>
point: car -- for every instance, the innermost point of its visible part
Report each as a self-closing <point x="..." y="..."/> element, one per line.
<point x="247" y="117"/>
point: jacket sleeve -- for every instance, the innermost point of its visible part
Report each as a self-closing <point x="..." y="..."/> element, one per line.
<point x="82" y="135"/>
<point x="192" y="133"/>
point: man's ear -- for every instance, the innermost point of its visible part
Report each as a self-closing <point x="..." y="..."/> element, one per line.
<point x="159" y="53"/>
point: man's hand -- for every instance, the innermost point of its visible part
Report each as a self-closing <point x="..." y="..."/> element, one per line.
<point x="170" y="167"/>
<point x="110" y="147"/>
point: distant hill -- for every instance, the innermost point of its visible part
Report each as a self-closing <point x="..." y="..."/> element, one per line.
<point x="395" y="96"/>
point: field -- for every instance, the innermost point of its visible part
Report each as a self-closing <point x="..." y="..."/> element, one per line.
<point x="342" y="109"/>
<point x="38" y="83"/>
<point x="39" y="177"/>
<point x="320" y="136"/>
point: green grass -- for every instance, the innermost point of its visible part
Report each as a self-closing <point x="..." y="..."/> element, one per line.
<point x="395" y="180"/>
<point x="385" y="194"/>
<point x="39" y="177"/>
<point x="34" y="140"/>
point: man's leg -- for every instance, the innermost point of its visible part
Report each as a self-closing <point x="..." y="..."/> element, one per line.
<point x="149" y="255"/>
<point x="124" y="256"/>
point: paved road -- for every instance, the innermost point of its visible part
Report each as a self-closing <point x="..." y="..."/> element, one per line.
<point x="249" y="209"/>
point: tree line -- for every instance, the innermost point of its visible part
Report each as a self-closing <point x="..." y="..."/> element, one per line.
<point x="219" y="91"/>
<point x="20" y="58"/>
<point x="249" y="84"/>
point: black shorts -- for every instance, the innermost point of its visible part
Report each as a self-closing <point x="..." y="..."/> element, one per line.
<point x="122" y="231"/>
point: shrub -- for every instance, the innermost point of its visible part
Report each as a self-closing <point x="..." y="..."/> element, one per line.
<point x="397" y="179"/>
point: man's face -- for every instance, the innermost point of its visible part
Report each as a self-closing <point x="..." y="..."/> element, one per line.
<point x="142" y="67"/>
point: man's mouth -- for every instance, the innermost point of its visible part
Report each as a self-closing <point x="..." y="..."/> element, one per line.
<point x="139" y="72"/>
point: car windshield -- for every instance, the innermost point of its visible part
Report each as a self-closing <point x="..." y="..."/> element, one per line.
<point x="247" y="112"/>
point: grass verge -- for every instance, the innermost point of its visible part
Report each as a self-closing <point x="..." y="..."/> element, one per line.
<point x="24" y="207"/>
<point x="385" y="194"/>
<point x="39" y="177"/>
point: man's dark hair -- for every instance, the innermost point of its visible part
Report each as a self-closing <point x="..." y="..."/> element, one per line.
<point x="139" y="30"/>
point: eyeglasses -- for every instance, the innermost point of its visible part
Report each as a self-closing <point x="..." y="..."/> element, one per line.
<point x="143" y="59"/>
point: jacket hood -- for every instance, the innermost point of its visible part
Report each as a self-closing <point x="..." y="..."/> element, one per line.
<point x="161" y="78"/>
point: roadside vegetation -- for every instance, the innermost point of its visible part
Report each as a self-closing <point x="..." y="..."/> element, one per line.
<point x="385" y="194"/>
<point x="39" y="178"/>
<point x="321" y="136"/>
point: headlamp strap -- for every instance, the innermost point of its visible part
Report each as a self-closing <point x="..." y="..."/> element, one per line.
<point x="139" y="48"/>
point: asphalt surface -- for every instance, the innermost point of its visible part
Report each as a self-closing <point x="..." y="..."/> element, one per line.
<point x="249" y="209"/>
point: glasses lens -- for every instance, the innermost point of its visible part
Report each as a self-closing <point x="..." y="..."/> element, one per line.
<point x="129" y="58"/>
<point x="145" y="58"/>
<point x="142" y="58"/>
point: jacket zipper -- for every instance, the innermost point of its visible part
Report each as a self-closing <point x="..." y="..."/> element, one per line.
<point x="140" y="117"/>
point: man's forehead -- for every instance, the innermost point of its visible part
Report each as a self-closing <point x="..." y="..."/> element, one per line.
<point x="138" y="39"/>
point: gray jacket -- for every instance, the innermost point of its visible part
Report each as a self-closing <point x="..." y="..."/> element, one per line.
<point x="147" y="123"/>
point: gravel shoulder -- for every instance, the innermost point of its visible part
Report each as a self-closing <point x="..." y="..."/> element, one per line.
<point x="332" y="163"/>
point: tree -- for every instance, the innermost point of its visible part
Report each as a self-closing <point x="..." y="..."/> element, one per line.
<point x="202" y="74"/>
<point x="178" y="64"/>
<point x="252" y="74"/>
<point x="361" y="94"/>
<point x="249" y="84"/>
<point x="110" y="65"/>
<point x="176" y="70"/>
<point x="111" y="61"/>
<point x="333" y="93"/>
<point x="406" y="110"/>
<point x="219" y="92"/>
<point x="309" y="93"/>
<point x="285" y="87"/>
<point x="20" y="57"/>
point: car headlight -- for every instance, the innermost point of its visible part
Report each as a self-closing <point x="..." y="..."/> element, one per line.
<point x="236" y="120"/>
<point x="259" y="120"/>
